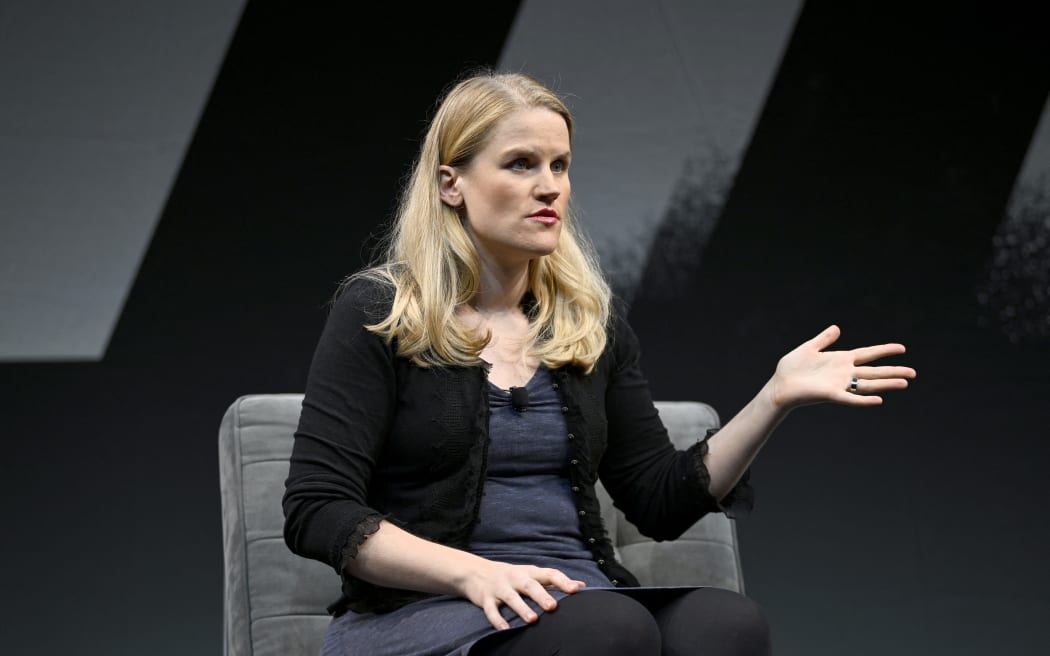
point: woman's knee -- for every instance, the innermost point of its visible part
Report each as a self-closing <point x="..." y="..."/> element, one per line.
<point x="716" y="621"/>
<point x="586" y="623"/>
<point x="611" y="623"/>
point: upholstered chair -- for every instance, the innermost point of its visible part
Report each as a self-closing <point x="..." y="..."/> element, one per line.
<point x="274" y="601"/>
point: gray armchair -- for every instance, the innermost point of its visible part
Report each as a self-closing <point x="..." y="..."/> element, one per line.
<point x="274" y="601"/>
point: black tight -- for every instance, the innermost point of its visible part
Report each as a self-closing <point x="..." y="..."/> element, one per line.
<point x="701" y="622"/>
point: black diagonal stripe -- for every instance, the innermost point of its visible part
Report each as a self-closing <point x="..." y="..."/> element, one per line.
<point x="879" y="169"/>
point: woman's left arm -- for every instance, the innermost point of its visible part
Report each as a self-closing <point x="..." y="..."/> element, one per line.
<point x="807" y="375"/>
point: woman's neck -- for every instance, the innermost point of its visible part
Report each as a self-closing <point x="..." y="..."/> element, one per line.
<point x="500" y="291"/>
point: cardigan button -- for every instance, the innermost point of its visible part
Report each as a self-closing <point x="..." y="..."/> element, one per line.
<point x="571" y="436"/>
<point x="565" y="408"/>
<point x="615" y="582"/>
<point x="575" y="488"/>
<point x="555" y="385"/>
<point x="583" y="513"/>
<point x="590" y="540"/>
<point x="601" y="562"/>
<point x="574" y="461"/>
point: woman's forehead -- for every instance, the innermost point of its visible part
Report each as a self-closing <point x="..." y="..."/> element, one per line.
<point x="531" y="127"/>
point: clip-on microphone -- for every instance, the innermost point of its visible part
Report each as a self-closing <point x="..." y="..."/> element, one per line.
<point x="519" y="398"/>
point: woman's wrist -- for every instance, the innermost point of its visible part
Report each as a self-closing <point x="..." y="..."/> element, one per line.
<point x="772" y="400"/>
<point x="465" y="571"/>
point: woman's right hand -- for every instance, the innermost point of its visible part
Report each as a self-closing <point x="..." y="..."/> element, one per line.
<point x="393" y="557"/>
<point x="500" y="584"/>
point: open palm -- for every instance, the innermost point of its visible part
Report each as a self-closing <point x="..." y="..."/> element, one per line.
<point x="810" y="374"/>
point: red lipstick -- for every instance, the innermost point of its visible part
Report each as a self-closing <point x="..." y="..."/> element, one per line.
<point x="546" y="216"/>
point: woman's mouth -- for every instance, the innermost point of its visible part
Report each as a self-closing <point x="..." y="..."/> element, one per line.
<point x="545" y="216"/>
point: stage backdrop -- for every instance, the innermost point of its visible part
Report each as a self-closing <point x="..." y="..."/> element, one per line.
<point x="749" y="172"/>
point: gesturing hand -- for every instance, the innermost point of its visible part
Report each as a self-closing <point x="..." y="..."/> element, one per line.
<point x="809" y="374"/>
<point x="499" y="584"/>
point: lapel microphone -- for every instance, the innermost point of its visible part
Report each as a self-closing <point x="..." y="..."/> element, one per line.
<point x="519" y="398"/>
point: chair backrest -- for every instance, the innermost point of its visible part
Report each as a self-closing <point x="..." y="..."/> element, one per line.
<point x="274" y="601"/>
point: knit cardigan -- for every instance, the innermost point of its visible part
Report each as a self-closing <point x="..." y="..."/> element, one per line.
<point x="382" y="438"/>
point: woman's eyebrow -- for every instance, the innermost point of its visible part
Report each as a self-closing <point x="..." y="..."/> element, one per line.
<point x="526" y="151"/>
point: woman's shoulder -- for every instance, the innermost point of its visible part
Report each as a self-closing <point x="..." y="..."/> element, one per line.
<point x="622" y="343"/>
<point x="619" y="326"/>
<point x="370" y="291"/>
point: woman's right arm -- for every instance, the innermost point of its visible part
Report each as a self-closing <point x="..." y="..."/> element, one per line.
<point x="396" y="558"/>
<point x="347" y="409"/>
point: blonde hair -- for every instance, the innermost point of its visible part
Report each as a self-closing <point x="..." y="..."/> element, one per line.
<point x="432" y="263"/>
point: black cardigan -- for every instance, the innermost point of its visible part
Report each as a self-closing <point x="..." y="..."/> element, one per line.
<point x="382" y="438"/>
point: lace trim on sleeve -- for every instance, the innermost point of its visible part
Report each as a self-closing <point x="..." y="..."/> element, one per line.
<point x="740" y="500"/>
<point x="357" y="537"/>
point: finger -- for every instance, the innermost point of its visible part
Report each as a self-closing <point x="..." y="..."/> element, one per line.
<point x="535" y="590"/>
<point x="555" y="578"/>
<point x="514" y="602"/>
<point x="868" y="353"/>
<point x="859" y="400"/>
<point x="491" y="610"/>
<point x="881" y="385"/>
<point x="873" y="373"/>
<point x="826" y="337"/>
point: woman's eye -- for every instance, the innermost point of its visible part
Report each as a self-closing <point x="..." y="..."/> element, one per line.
<point x="519" y="164"/>
<point x="559" y="166"/>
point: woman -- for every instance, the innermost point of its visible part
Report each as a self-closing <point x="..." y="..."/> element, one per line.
<point x="468" y="391"/>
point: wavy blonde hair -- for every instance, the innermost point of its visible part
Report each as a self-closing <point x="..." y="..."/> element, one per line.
<point x="432" y="263"/>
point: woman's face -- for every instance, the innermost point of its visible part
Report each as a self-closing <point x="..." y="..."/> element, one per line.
<point x="516" y="189"/>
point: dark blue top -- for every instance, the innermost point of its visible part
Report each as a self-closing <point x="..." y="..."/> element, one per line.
<point x="527" y="516"/>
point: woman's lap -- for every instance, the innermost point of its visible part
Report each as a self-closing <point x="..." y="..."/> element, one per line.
<point x="638" y="621"/>
<point x="684" y="620"/>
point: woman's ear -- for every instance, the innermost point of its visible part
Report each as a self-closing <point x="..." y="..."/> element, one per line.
<point x="448" y="186"/>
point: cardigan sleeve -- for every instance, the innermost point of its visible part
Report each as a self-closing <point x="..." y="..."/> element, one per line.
<point x="660" y="489"/>
<point x="347" y="408"/>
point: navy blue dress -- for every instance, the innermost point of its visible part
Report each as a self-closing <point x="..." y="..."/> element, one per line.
<point x="528" y="516"/>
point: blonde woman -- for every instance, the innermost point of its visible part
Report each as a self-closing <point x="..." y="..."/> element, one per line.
<point x="470" y="388"/>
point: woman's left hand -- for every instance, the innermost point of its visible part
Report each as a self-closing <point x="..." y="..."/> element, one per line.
<point x="809" y="374"/>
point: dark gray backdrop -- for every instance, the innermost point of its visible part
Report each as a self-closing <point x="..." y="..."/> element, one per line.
<point x="873" y="175"/>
